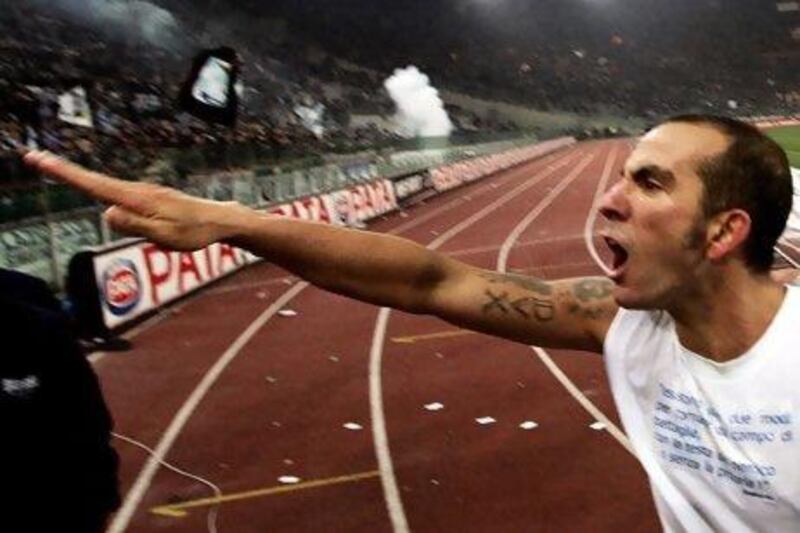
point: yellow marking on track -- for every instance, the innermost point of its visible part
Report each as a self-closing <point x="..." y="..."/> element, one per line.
<point x="411" y="339"/>
<point x="178" y="510"/>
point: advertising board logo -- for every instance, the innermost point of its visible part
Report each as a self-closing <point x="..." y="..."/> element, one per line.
<point x="122" y="286"/>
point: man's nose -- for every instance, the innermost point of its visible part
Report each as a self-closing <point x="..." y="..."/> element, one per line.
<point x="613" y="205"/>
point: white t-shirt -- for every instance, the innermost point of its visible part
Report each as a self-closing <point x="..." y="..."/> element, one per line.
<point x="720" y="442"/>
<point x="793" y="223"/>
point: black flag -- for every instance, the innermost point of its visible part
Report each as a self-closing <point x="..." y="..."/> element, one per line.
<point x="209" y="91"/>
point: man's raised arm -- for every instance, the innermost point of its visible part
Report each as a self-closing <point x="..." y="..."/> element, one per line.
<point x="376" y="268"/>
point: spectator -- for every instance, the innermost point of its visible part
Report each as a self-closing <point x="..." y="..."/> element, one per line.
<point x="59" y="469"/>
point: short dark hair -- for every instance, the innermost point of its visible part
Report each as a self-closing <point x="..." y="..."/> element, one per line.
<point x="752" y="174"/>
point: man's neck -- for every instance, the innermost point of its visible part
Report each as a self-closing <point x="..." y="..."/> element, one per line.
<point x="728" y="314"/>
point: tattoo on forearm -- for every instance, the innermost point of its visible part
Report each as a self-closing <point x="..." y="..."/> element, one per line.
<point x="528" y="283"/>
<point x="538" y="308"/>
<point x="588" y="293"/>
<point x="593" y="313"/>
<point x="592" y="289"/>
<point x="528" y="307"/>
<point x="496" y="302"/>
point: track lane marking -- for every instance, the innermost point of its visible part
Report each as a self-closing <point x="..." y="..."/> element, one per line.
<point x="133" y="497"/>
<point x="180" y="510"/>
<point x="581" y="398"/>
<point x="380" y="438"/>
<point x="502" y="263"/>
<point x="145" y="477"/>
<point x="411" y="339"/>
<point x="391" y="492"/>
<point x="588" y="228"/>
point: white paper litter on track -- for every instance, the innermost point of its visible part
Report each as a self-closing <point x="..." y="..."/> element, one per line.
<point x="352" y="426"/>
<point x="598" y="426"/>
<point x="289" y="480"/>
<point x="485" y="420"/>
<point x="287" y="312"/>
<point x="435" y="406"/>
<point x="528" y="425"/>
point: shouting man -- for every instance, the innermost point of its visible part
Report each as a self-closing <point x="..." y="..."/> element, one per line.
<point x="699" y="340"/>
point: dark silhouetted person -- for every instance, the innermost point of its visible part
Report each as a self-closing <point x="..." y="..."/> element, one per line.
<point x="58" y="469"/>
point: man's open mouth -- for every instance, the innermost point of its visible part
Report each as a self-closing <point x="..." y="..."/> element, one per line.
<point x="619" y="255"/>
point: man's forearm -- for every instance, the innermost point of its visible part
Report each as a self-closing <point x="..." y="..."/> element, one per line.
<point x="377" y="268"/>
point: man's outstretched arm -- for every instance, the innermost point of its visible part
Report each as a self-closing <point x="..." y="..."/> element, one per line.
<point x="376" y="268"/>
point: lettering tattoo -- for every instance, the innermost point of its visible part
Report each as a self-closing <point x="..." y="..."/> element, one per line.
<point x="538" y="308"/>
<point x="496" y="302"/>
<point x="528" y="307"/>
<point x="524" y="282"/>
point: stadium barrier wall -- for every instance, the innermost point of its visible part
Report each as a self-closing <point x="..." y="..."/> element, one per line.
<point x="774" y="121"/>
<point x="113" y="286"/>
<point x="43" y="245"/>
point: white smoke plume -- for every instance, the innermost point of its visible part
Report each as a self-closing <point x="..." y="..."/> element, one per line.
<point x="420" y="111"/>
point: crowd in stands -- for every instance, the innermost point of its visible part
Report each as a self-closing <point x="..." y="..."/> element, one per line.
<point x="132" y="85"/>
<point x="646" y="58"/>
<point x="310" y="58"/>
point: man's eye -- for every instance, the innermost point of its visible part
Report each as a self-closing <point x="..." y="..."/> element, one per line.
<point x="647" y="183"/>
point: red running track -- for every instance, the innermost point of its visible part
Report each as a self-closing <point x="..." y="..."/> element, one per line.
<point x="277" y="404"/>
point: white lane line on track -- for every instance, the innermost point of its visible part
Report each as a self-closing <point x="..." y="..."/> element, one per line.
<point x="416" y="221"/>
<point x="789" y="244"/>
<point x="167" y="312"/>
<point x="588" y="229"/>
<point x="505" y="249"/>
<point x="145" y="477"/>
<point x="786" y="256"/>
<point x="583" y="400"/>
<point x="502" y="263"/>
<point x="523" y="244"/>
<point x="391" y="493"/>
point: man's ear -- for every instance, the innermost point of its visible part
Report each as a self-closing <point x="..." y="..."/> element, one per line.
<point x="726" y="232"/>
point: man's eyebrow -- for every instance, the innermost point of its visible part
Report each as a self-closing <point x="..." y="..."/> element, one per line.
<point x="654" y="171"/>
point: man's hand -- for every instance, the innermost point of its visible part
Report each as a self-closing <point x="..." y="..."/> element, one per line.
<point x="160" y="214"/>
